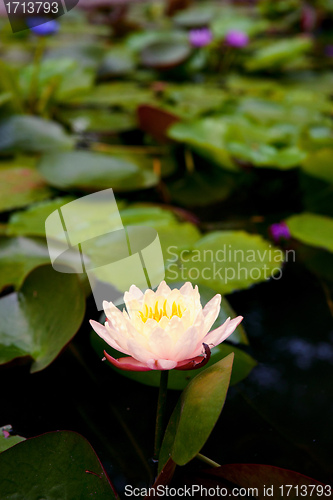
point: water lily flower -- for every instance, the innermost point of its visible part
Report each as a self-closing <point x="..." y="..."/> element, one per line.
<point x="163" y="330"/>
<point x="237" y="39"/>
<point x="280" y="231"/>
<point x="43" y="27"/>
<point x="200" y="37"/>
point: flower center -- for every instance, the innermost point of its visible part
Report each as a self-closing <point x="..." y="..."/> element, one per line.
<point x="157" y="313"/>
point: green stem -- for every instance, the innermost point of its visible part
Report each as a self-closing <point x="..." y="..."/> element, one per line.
<point x="207" y="460"/>
<point x="160" y="414"/>
<point x="34" y="82"/>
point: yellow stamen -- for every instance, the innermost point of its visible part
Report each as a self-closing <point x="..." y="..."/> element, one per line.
<point x="156" y="313"/>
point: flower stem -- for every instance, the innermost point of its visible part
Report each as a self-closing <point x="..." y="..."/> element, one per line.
<point x="207" y="460"/>
<point x="34" y="82"/>
<point x="160" y="414"/>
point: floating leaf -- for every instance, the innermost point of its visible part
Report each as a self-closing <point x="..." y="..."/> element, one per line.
<point x="319" y="164"/>
<point x="88" y="170"/>
<point x="20" y="185"/>
<point x="264" y="155"/>
<point x="126" y="95"/>
<point x="227" y="261"/>
<point x="206" y="137"/>
<point x="174" y="235"/>
<point x="189" y="101"/>
<point x="32" y="221"/>
<point x="64" y="465"/>
<point x="117" y="62"/>
<point x="278" y="52"/>
<point x="44" y="315"/>
<point x="18" y="256"/>
<point x="32" y="134"/>
<point x="62" y="78"/>
<point x="228" y="20"/>
<point x="196" y="413"/>
<point x="194" y="17"/>
<point x="97" y="120"/>
<point x="312" y="229"/>
<point x="164" y="55"/>
<point x="269" y="481"/>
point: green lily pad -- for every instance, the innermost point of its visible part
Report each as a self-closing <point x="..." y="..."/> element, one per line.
<point x="190" y="101"/>
<point x="97" y="120"/>
<point x="34" y="328"/>
<point x="164" y="55"/>
<point x="196" y="413"/>
<point x="32" y="134"/>
<point x="125" y="95"/>
<point x="194" y="17"/>
<point x="227" y="260"/>
<point x="207" y="138"/>
<point x="88" y="170"/>
<point x="228" y="20"/>
<point x="319" y="164"/>
<point x="20" y="185"/>
<point x="312" y="229"/>
<point x="32" y="221"/>
<point x="18" y="256"/>
<point x="118" y="61"/>
<point x="264" y="155"/>
<point x="54" y="465"/>
<point x="278" y="52"/>
<point x="60" y="78"/>
<point x="173" y="237"/>
<point x="147" y="215"/>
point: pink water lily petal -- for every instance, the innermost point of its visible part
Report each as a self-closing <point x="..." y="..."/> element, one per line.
<point x="161" y="364"/>
<point x="211" y="312"/>
<point x="128" y="363"/>
<point x="222" y="332"/>
<point x="194" y="363"/>
<point x="105" y="335"/>
<point x="184" y="346"/>
<point x="163" y="289"/>
<point x="161" y="344"/>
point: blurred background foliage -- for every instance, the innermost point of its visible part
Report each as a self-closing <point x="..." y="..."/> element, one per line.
<point x="212" y="123"/>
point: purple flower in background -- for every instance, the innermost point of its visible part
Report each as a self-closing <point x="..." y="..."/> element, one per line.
<point x="200" y="37"/>
<point x="329" y="50"/>
<point x="43" y="27"/>
<point x="280" y="231"/>
<point x="238" y="39"/>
